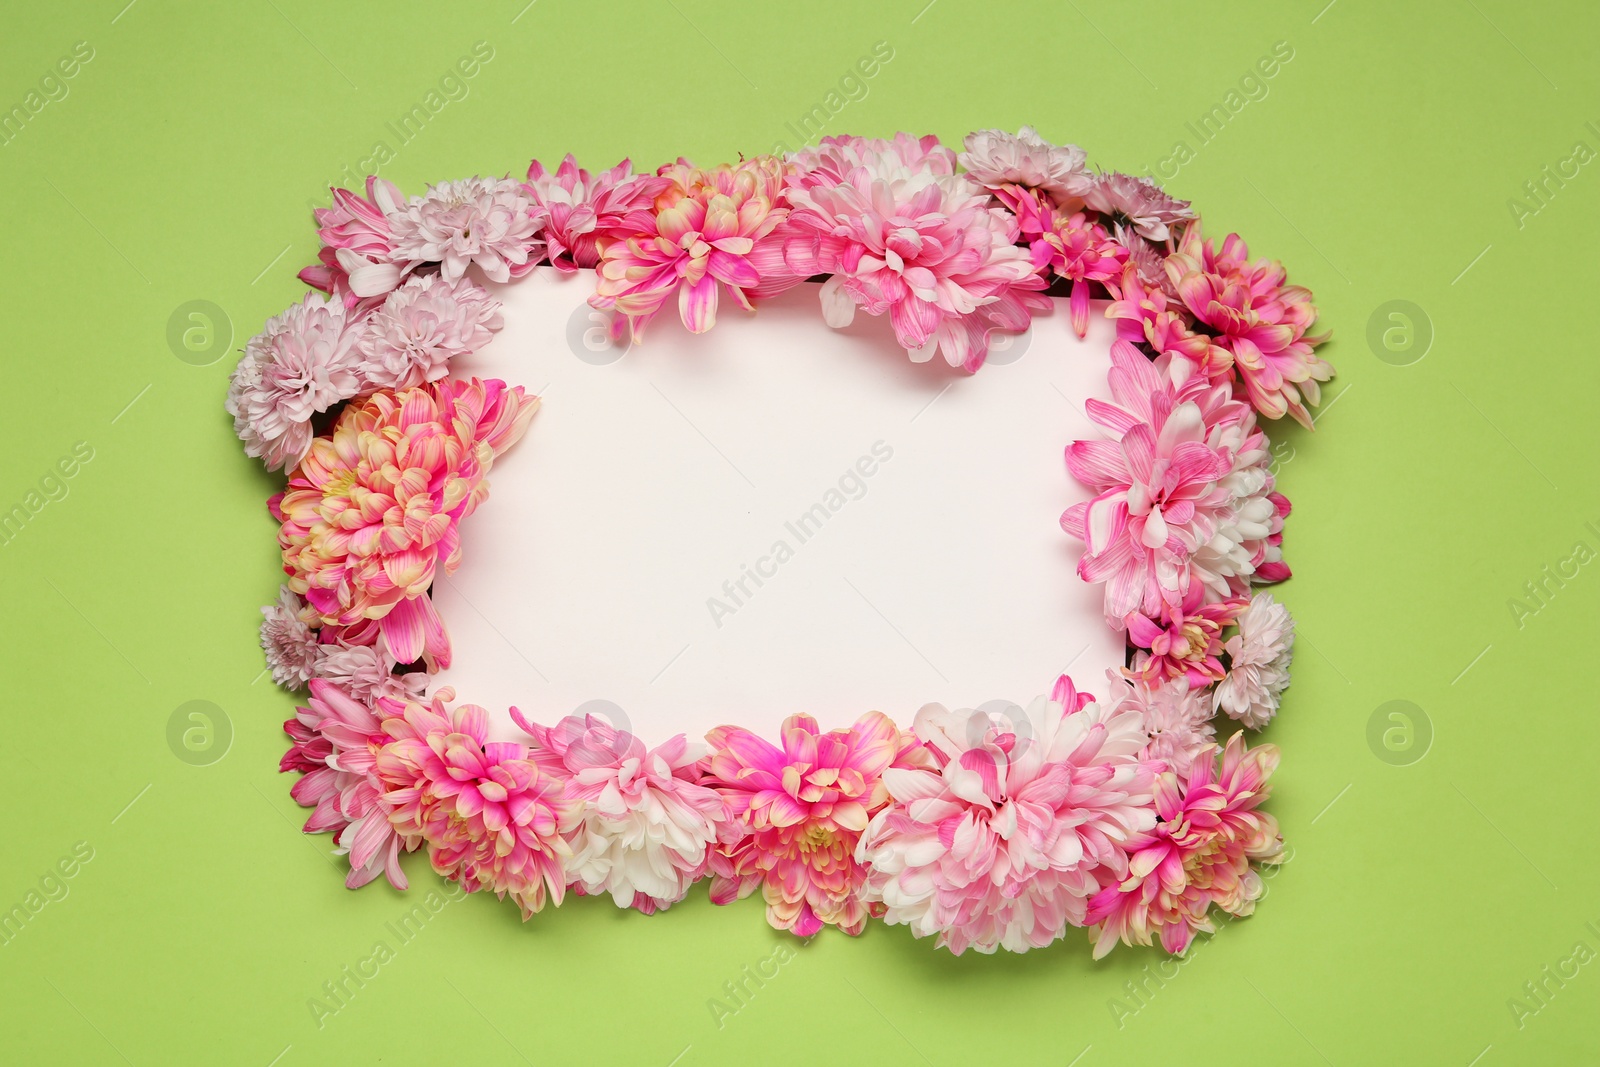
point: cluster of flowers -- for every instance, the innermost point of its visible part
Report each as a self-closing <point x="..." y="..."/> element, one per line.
<point x="370" y="518"/>
<point x="950" y="246"/>
<point x="984" y="830"/>
<point x="979" y="829"/>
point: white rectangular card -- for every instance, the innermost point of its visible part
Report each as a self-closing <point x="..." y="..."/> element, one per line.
<point x="773" y="517"/>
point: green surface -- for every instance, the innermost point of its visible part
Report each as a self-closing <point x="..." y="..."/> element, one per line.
<point x="1423" y="893"/>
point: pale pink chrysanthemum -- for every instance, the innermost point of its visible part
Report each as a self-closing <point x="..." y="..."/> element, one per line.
<point x="492" y="817"/>
<point x="289" y="643"/>
<point x="336" y="741"/>
<point x="797" y="813"/>
<point x="1005" y="839"/>
<point x="303" y="362"/>
<point x="904" y="236"/>
<point x="1184" y="639"/>
<point x="1144" y="220"/>
<point x="1005" y="162"/>
<point x="1147" y="258"/>
<point x="1145" y="206"/>
<point x="647" y="826"/>
<point x="371" y="515"/>
<point x="582" y="210"/>
<point x="421" y="327"/>
<point x="488" y="222"/>
<point x="1258" y="662"/>
<point x="367" y="672"/>
<point x="1258" y="318"/>
<point x="1183" y="490"/>
<point x="1176" y="715"/>
<point x="696" y="240"/>
<point x="357" y="262"/>
<point x="1200" y="853"/>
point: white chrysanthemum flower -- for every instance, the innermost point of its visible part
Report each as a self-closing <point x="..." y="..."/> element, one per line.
<point x="1241" y="530"/>
<point x="647" y="823"/>
<point x="491" y="222"/>
<point x="1239" y="533"/>
<point x="1258" y="668"/>
<point x="423" y="325"/>
<point x="632" y="856"/>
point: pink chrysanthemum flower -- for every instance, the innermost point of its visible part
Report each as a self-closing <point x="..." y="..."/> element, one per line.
<point x="798" y="812"/>
<point x="289" y="643"/>
<point x="1258" y="662"/>
<point x="1258" y="318"/>
<point x="301" y="364"/>
<point x="492" y="817"/>
<point x="1073" y="247"/>
<point x="367" y="672"/>
<point x="421" y="327"/>
<point x="489" y="222"/>
<point x="583" y="210"/>
<point x="1183" y="490"/>
<point x="371" y="515"/>
<point x="1000" y="844"/>
<point x="1146" y="207"/>
<point x="903" y="157"/>
<point x="336" y="741"/>
<point x="361" y="632"/>
<point x="1198" y="854"/>
<point x="357" y="262"/>
<point x="830" y="162"/>
<point x="1184" y="640"/>
<point x="903" y="235"/>
<point x="1146" y="314"/>
<point x="647" y="825"/>
<point x="1009" y="164"/>
<point x="1176" y="715"/>
<point x="697" y="239"/>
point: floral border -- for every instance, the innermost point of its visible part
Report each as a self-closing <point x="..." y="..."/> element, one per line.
<point x="984" y="830"/>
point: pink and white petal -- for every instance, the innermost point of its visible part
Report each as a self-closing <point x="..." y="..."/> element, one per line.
<point x="697" y="304"/>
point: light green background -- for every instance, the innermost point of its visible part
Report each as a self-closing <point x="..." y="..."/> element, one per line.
<point x="1378" y="166"/>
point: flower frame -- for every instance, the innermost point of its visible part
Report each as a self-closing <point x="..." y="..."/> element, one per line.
<point x="1125" y="816"/>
